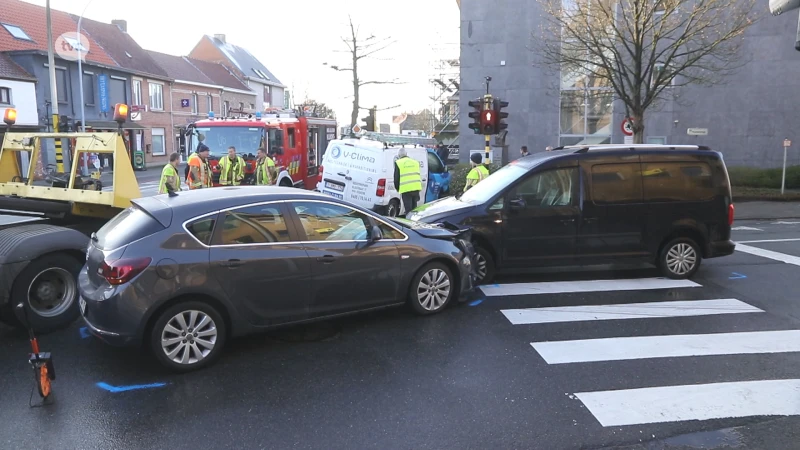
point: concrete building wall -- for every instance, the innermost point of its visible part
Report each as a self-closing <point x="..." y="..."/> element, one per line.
<point x="747" y="117"/>
<point x="23" y="99"/>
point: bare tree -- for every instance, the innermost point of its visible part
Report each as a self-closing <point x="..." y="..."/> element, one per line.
<point x="317" y="109"/>
<point x="640" y="50"/>
<point x="359" y="50"/>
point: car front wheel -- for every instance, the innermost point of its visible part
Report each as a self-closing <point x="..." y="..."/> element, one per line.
<point x="432" y="289"/>
<point x="188" y="336"/>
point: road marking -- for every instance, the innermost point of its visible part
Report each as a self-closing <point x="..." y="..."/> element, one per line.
<point x="84" y="333"/>
<point x="785" y="223"/>
<point x="133" y="387"/>
<point x="746" y="229"/>
<point x="737" y="276"/>
<point x="768" y="240"/>
<point x="562" y="287"/>
<point x="645" y="347"/>
<point x="628" y="311"/>
<point x="694" y="402"/>
<point x="788" y="259"/>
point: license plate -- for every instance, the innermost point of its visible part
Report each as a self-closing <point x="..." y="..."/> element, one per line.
<point x="334" y="194"/>
<point x="82" y="305"/>
<point x="334" y="186"/>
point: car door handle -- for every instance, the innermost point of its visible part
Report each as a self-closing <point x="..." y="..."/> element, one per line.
<point x="566" y="221"/>
<point x="327" y="259"/>
<point x="232" y="263"/>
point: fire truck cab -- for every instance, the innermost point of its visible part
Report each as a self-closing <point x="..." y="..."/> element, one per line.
<point x="293" y="139"/>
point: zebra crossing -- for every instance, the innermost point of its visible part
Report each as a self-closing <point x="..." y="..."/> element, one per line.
<point x="656" y="404"/>
<point x="147" y="188"/>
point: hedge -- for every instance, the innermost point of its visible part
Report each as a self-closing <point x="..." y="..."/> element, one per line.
<point x="764" y="178"/>
<point x="458" y="176"/>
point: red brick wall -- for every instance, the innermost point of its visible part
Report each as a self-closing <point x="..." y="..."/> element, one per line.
<point x="150" y="119"/>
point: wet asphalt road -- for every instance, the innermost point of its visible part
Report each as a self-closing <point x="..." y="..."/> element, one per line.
<point x="466" y="378"/>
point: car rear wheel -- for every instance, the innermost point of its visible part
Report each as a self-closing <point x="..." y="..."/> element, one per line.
<point x="484" y="265"/>
<point x="431" y="289"/>
<point x="680" y="258"/>
<point x="48" y="287"/>
<point x="188" y="336"/>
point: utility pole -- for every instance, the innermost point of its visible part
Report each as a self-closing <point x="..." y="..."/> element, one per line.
<point x="51" y="62"/>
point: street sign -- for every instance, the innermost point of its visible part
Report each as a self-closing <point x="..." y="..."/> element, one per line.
<point x="697" y="131"/>
<point x="787" y="143"/>
<point x="184" y="103"/>
<point x="628" y="140"/>
<point x="627" y="127"/>
<point x="356" y="129"/>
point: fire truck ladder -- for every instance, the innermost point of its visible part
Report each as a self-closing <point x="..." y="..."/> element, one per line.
<point x="399" y="139"/>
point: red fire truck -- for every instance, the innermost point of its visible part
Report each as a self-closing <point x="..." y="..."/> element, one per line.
<point x="296" y="141"/>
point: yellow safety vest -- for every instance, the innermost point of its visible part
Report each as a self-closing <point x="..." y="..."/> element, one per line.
<point x="169" y="175"/>
<point x="410" y="176"/>
<point x="475" y="176"/>
<point x="263" y="177"/>
<point x="225" y="165"/>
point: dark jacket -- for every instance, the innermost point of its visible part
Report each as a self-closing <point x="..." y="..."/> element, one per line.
<point x="396" y="176"/>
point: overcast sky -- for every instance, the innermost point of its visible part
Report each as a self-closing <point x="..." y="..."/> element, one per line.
<point x="293" y="39"/>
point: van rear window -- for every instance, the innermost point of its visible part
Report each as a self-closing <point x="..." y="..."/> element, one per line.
<point x="677" y="181"/>
<point x="128" y="226"/>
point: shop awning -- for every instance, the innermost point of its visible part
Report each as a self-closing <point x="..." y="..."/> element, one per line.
<point x="112" y="126"/>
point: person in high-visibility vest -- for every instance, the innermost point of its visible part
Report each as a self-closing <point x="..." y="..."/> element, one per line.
<point x="266" y="173"/>
<point x="478" y="173"/>
<point x="231" y="169"/>
<point x="407" y="179"/>
<point x="170" y="180"/>
<point x="199" y="171"/>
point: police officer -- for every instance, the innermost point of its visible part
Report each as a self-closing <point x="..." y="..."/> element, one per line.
<point x="231" y="169"/>
<point x="407" y="179"/>
<point x="199" y="176"/>
<point x="170" y="180"/>
<point x="478" y="172"/>
<point x="266" y="173"/>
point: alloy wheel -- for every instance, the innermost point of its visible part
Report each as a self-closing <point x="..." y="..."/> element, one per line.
<point x="433" y="289"/>
<point x="681" y="258"/>
<point x="189" y="337"/>
<point x="480" y="262"/>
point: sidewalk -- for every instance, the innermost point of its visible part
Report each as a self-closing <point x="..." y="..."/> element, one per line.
<point x="762" y="210"/>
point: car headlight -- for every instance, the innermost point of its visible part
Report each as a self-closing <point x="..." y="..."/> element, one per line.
<point x="467" y="261"/>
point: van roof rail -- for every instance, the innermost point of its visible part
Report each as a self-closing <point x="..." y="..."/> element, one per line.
<point x="633" y="147"/>
<point x="399" y="139"/>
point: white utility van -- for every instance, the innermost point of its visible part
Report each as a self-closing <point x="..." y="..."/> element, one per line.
<point x="361" y="171"/>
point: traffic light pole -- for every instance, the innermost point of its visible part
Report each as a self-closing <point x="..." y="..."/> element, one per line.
<point x="488" y="148"/>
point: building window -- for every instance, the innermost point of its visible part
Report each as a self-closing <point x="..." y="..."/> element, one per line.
<point x="658" y="70"/>
<point x="62" y="86"/>
<point x="156" y="96"/>
<point x="210" y="103"/>
<point x="5" y="96"/>
<point x="88" y="88"/>
<point x="241" y="107"/>
<point x="253" y="106"/>
<point x="118" y="90"/>
<point x="195" y="106"/>
<point x="137" y="92"/>
<point x="17" y="32"/>
<point x="267" y="94"/>
<point x="226" y="107"/>
<point x="159" y="148"/>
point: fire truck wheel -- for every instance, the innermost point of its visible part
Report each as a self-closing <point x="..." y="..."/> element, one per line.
<point x="49" y="287"/>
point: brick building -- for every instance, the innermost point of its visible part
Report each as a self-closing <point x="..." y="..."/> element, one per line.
<point x="236" y="96"/>
<point x="246" y="67"/>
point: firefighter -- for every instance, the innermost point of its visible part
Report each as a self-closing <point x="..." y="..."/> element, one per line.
<point x="266" y="173"/>
<point x="478" y="173"/>
<point x="170" y="180"/>
<point x="199" y="171"/>
<point x="407" y="179"/>
<point x="231" y="169"/>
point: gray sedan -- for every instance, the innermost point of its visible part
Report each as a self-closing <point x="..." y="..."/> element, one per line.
<point x="183" y="274"/>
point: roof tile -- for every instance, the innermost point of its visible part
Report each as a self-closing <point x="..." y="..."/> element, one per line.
<point x="178" y="68"/>
<point x="218" y="73"/>
<point x="244" y="60"/>
<point x="12" y="71"/>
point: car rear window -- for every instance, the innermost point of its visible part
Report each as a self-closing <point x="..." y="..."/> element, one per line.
<point x="128" y="226"/>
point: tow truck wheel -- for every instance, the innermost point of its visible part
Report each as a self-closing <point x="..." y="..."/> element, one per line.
<point x="49" y="288"/>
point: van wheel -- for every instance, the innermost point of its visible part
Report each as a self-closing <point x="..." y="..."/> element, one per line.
<point x="680" y="258"/>
<point x="393" y="210"/>
<point x="484" y="265"/>
<point x="188" y="336"/>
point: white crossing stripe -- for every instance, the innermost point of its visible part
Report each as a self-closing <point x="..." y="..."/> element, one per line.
<point x="628" y="311"/>
<point x="694" y="402"/>
<point x="777" y="256"/>
<point x="643" y="347"/>
<point x="767" y="240"/>
<point x="562" y="287"/>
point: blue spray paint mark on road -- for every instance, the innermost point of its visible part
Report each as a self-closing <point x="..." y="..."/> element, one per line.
<point x="476" y="302"/>
<point x="132" y="387"/>
<point x="85" y="333"/>
<point x="737" y="276"/>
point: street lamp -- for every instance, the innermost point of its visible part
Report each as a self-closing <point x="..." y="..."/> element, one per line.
<point x="80" y="74"/>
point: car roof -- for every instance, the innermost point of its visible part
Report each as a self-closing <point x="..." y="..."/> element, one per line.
<point x="535" y="159"/>
<point x="196" y="202"/>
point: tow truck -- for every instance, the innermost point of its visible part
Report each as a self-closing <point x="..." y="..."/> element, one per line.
<point x="42" y="252"/>
<point x="292" y="136"/>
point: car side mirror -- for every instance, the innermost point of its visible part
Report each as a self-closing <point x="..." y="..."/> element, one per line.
<point x="516" y="203"/>
<point x="375" y="234"/>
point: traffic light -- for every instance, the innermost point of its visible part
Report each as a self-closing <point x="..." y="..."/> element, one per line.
<point x="370" y="120"/>
<point x="488" y="121"/>
<point x="64" y="124"/>
<point x="477" y="106"/>
<point x="499" y="115"/>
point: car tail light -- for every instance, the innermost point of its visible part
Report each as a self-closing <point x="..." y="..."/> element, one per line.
<point x="123" y="270"/>
<point x="731" y="211"/>
<point x="380" y="191"/>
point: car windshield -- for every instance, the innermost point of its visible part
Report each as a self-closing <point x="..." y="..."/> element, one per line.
<point x="218" y="139"/>
<point x="493" y="184"/>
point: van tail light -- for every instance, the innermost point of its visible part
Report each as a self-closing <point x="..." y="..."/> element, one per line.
<point x="123" y="270"/>
<point x="731" y="211"/>
<point x="319" y="177"/>
<point x="380" y="191"/>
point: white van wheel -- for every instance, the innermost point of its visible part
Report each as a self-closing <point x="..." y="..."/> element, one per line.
<point x="393" y="210"/>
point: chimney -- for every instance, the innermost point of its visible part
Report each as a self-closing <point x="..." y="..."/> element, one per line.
<point x="220" y="37"/>
<point x="121" y="24"/>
